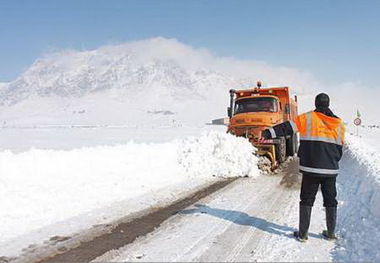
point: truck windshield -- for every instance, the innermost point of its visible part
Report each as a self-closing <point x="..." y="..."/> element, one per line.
<point x="256" y="105"/>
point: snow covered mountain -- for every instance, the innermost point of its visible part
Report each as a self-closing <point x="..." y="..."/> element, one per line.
<point x="76" y="74"/>
<point x="3" y="87"/>
<point x="135" y="83"/>
<point x="152" y="75"/>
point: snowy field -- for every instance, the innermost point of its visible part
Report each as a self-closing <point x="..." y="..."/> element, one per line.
<point x="66" y="137"/>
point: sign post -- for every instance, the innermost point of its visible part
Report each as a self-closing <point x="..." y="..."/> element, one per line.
<point x="357" y="122"/>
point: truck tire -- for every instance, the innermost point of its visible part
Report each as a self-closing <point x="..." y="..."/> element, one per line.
<point x="295" y="141"/>
<point x="281" y="150"/>
<point x="291" y="145"/>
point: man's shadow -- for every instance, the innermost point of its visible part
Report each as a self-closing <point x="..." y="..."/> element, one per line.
<point x="244" y="219"/>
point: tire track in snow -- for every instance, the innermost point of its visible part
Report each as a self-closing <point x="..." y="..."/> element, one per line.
<point x="247" y="221"/>
<point x="247" y="238"/>
<point x="175" y="226"/>
<point x="201" y="246"/>
<point x="127" y="232"/>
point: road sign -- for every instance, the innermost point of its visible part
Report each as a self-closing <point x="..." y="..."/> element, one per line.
<point x="357" y="121"/>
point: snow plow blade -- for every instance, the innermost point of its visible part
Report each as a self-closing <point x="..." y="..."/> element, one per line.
<point x="267" y="150"/>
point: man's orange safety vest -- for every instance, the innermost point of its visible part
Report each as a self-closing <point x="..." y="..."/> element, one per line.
<point x="321" y="141"/>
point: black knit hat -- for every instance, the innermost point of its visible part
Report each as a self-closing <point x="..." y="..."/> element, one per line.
<point x="322" y="101"/>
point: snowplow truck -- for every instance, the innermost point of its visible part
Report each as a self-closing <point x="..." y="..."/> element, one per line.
<point x="253" y="110"/>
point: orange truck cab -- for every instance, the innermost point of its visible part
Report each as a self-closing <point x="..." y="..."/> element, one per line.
<point x="253" y="110"/>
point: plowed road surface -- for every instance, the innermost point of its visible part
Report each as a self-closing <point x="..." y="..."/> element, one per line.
<point x="251" y="219"/>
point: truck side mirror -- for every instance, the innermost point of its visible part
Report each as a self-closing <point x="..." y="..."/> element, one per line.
<point x="287" y="108"/>
<point x="229" y="112"/>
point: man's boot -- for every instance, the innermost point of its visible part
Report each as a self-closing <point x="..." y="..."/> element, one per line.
<point x="304" y="223"/>
<point x="331" y="213"/>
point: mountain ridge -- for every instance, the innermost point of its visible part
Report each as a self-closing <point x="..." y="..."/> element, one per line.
<point x="76" y="74"/>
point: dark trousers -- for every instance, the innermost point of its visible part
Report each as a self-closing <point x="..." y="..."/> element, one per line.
<point x="309" y="189"/>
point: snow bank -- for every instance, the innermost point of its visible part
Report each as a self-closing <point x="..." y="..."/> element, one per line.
<point x="359" y="211"/>
<point x="43" y="187"/>
<point x="217" y="154"/>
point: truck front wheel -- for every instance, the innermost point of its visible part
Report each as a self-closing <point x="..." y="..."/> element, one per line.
<point x="281" y="150"/>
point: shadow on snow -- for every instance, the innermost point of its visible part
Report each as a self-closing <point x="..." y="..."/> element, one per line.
<point x="244" y="219"/>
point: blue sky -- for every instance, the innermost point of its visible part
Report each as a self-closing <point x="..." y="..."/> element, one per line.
<point x="338" y="41"/>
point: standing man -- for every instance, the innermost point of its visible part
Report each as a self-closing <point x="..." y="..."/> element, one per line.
<point x="321" y="143"/>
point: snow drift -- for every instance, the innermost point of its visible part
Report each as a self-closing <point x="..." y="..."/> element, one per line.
<point x="213" y="153"/>
<point x="39" y="188"/>
<point x="359" y="208"/>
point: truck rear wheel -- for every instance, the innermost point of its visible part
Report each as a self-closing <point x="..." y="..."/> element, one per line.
<point x="281" y="150"/>
<point x="291" y="145"/>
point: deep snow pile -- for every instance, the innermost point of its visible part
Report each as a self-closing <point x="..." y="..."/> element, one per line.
<point x="214" y="153"/>
<point x="366" y="153"/>
<point x="359" y="208"/>
<point x="43" y="187"/>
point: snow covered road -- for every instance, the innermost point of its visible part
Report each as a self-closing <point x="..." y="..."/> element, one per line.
<point x="251" y="219"/>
